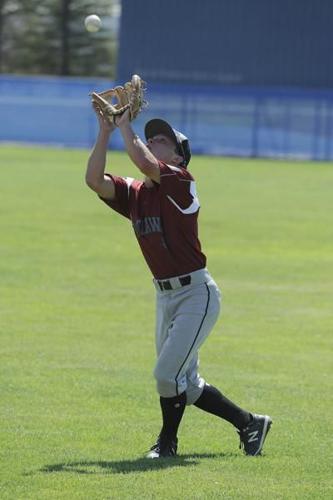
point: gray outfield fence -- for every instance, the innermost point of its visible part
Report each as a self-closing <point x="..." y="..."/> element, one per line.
<point x="219" y="120"/>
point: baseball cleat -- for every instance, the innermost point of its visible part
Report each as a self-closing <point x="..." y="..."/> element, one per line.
<point x="164" y="447"/>
<point x="253" y="436"/>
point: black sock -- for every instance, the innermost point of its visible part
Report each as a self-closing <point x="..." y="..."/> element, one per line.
<point x="172" y="412"/>
<point x="212" y="401"/>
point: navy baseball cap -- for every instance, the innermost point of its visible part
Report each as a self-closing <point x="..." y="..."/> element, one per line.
<point x="157" y="126"/>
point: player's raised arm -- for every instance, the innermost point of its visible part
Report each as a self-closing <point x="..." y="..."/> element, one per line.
<point x="140" y="155"/>
<point x="95" y="178"/>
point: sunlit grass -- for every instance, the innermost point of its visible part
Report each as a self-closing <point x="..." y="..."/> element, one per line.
<point x="78" y="402"/>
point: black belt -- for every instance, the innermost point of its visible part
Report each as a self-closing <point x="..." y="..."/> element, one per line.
<point x="166" y="284"/>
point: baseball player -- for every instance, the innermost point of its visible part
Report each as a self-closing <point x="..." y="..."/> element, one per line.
<point x="163" y="209"/>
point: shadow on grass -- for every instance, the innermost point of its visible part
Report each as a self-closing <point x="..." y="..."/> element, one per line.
<point x="127" y="466"/>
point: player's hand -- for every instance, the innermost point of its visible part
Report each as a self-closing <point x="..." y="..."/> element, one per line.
<point x="123" y="120"/>
<point x="104" y="124"/>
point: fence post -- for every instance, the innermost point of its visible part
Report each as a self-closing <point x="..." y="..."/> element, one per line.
<point x="255" y="129"/>
<point x="328" y="129"/>
<point x="286" y="141"/>
<point x="316" y="131"/>
<point x="184" y="112"/>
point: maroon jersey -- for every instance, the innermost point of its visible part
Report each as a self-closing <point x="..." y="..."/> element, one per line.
<point x="164" y="219"/>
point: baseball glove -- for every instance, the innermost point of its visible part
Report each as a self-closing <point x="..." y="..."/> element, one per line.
<point x="127" y="96"/>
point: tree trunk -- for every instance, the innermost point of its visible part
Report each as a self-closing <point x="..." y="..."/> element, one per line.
<point x="65" y="17"/>
<point x="1" y="34"/>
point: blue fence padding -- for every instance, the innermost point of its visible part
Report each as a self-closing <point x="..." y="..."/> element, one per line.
<point x="258" y="122"/>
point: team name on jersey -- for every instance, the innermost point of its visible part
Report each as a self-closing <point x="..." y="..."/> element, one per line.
<point x="147" y="225"/>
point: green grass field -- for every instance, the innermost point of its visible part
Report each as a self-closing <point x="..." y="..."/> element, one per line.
<point x="78" y="403"/>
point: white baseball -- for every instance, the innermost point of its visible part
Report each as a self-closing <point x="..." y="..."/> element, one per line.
<point x="92" y="23"/>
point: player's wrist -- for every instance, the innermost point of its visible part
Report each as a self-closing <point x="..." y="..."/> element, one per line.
<point x="124" y="126"/>
<point x="104" y="137"/>
<point x="106" y="130"/>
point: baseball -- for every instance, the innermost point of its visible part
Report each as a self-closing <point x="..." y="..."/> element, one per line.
<point x="92" y="23"/>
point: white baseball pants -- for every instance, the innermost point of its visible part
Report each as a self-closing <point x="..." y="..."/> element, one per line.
<point x="184" y="318"/>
